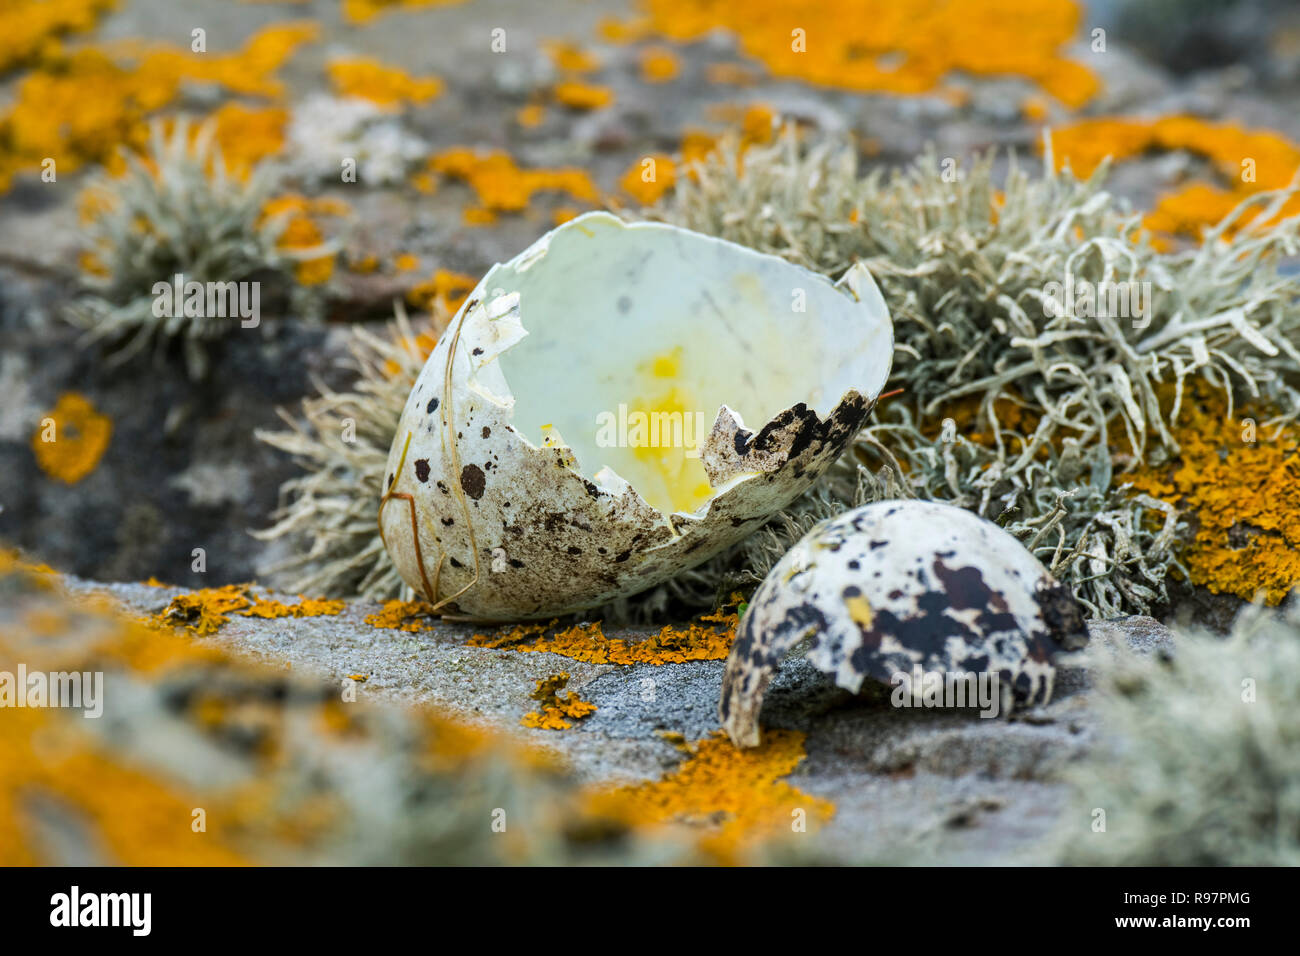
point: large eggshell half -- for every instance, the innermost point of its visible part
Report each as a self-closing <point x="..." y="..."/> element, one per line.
<point x="895" y="586"/>
<point x="519" y="485"/>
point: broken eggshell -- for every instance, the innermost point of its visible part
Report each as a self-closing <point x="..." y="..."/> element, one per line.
<point x="895" y="586"/>
<point x="522" y="482"/>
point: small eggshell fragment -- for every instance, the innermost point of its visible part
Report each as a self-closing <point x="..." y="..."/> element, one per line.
<point x="579" y="432"/>
<point x="897" y="586"/>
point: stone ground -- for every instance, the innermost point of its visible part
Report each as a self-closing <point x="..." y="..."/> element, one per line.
<point x="914" y="786"/>
<point x="183" y="469"/>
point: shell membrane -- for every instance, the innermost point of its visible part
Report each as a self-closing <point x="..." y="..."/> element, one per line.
<point x="516" y="488"/>
<point x="897" y="586"/>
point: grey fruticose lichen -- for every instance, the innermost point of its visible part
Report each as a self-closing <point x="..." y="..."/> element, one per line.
<point x="177" y="213"/>
<point x="342" y="443"/>
<point x="973" y="274"/>
<point x="510" y="491"/>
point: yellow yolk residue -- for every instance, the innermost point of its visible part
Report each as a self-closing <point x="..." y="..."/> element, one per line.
<point x="666" y="433"/>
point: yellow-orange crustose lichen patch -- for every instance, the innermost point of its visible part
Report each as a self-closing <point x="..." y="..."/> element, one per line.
<point x="578" y="95"/>
<point x="402" y="616"/>
<point x="570" y="57"/>
<point x="646" y="182"/>
<point x="659" y="64"/>
<point x="1243" y="498"/>
<point x="80" y="107"/>
<point x="557" y="709"/>
<point x="302" y="232"/>
<point x="306" y="607"/>
<point x="134" y="809"/>
<point x="247" y="135"/>
<point x="71" y="439"/>
<point x="203" y="612"/>
<point x="30" y="30"/>
<point x="530" y="116"/>
<point x="735" y="799"/>
<point x="905" y="46"/>
<point x="363" y="11"/>
<point x="379" y="83"/>
<point x="446" y="290"/>
<point x="1248" y="160"/>
<point x="709" y="639"/>
<point x="502" y="186"/>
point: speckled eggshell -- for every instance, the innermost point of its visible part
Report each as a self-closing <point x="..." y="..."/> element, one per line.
<point x="897" y="585"/>
<point x="488" y="518"/>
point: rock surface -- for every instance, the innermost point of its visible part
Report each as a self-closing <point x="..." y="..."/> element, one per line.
<point x="909" y="786"/>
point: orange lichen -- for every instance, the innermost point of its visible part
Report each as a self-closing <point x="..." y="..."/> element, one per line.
<point x="446" y="290"/>
<point x="587" y="642"/>
<point x="379" y="83"/>
<point x="530" y="116"/>
<point x="564" y="213"/>
<point x="406" y="262"/>
<point x="245" y="136"/>
<point x="306" y="607"/>
<point x="557" y="709"/>
<point x="502" y="186"/>
<point x="646" y="182"/>
<point x="1248" y="160"/>
<point x="363" y="11"/>
<point x="1034" y="108"/>
<point x="623" y="31"/>
<point x="31" y="30"/>
<point x="697" y="145"/>
<point x="733" y="800"/>
<point x="906" y="46"/>
<point x="571" y="58"/>
<point x="582" y="96"/>
<point x="1243" y="497"/>
<point x="71" y="438"/>
<point x="659" y="64"/>
<point x="364" y="265"/>
<point x="204" y="611"/>
<point x="80" y="107"/>
<point x="134" y="809"/>
<point x="302" y="233"/>
<point x="402" y="616"/>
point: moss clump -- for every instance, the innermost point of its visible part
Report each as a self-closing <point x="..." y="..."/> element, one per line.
<point x="1199" y="764"/>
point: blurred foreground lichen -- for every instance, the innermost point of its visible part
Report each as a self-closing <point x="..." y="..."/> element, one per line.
<point x="202" y="756"/>
<point x="1199" y="759"/>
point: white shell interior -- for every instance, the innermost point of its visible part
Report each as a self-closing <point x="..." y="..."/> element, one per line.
<point x="647" y="318"/>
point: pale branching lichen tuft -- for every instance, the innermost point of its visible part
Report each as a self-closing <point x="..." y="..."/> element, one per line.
<point x="175" y="211"/>
<point x="342" y="442"/>
<point x="1198" y="762"/>
<point x="1021" y="411"/>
